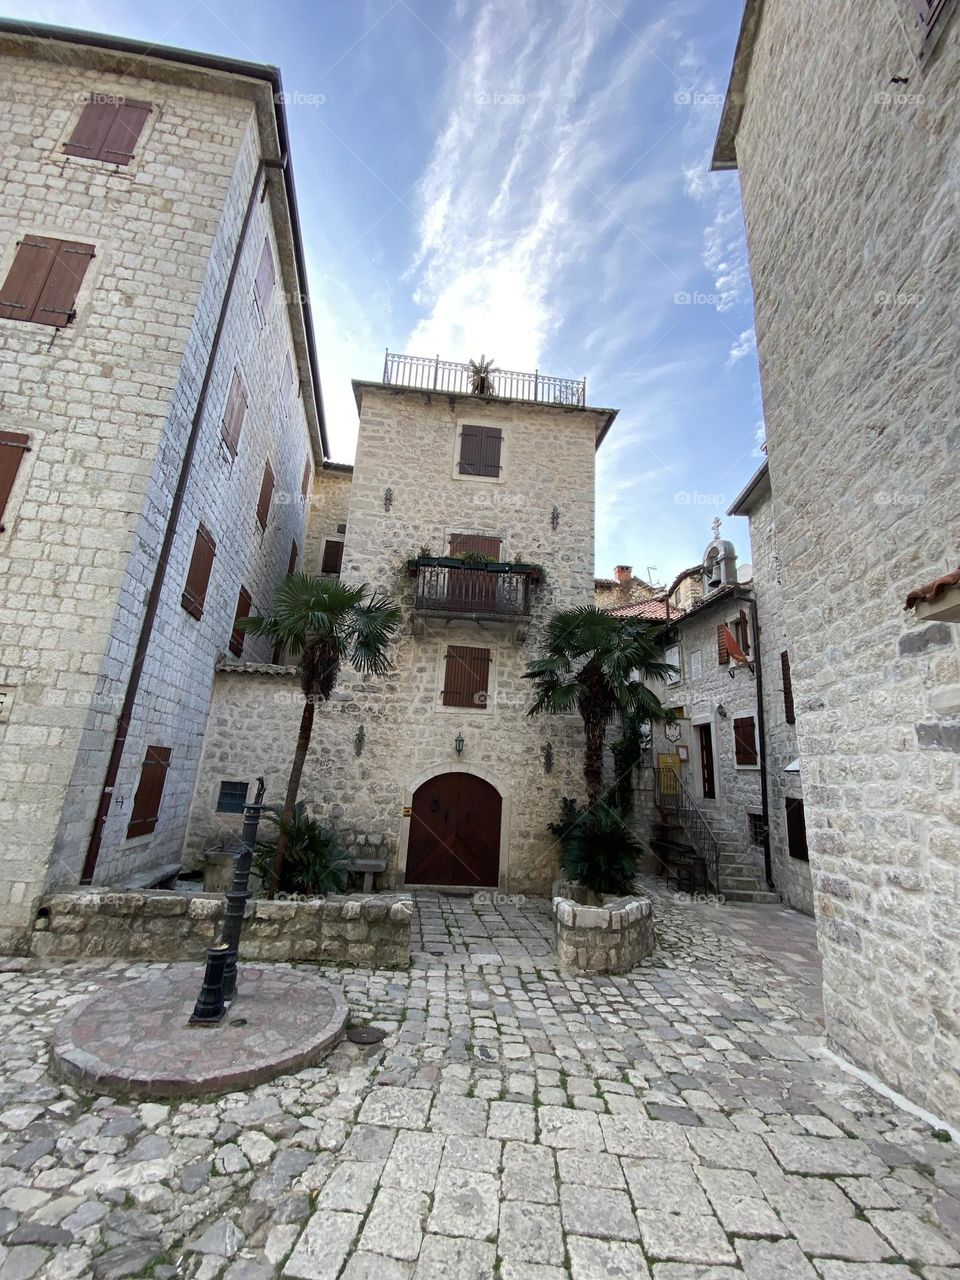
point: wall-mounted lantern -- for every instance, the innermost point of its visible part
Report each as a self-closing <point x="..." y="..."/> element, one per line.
<point x="387" y="499"/>
<point x="459" y="744"/>
<point x="359" y="741"/>
<point x="555" y="518"/>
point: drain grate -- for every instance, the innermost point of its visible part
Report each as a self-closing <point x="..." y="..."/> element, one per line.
<point x="366" y="1035"/>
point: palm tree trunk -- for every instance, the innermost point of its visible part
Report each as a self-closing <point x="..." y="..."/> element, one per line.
<point x="293" y="787"/>
<point x="593" y="758"/>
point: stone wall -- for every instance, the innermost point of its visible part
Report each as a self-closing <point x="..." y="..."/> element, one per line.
<point x="369" y="932"/>
<point x="613" y="938"/>
<point x="849" y="188"/>
<point x="327" y="519"/>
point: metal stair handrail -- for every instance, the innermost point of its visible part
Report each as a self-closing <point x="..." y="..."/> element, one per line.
<point x="670" y="793"/>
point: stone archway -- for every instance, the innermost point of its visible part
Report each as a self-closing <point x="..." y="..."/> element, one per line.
<point x="454" y="832"/>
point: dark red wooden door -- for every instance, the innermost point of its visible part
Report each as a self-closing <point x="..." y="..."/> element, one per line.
<point x="706" y="762"/>
<point x="454" y="832"/>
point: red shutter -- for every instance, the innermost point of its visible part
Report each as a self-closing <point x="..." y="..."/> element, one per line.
<point x="797" y="830"/>
<point x="723" y="656"/>
<point x="491" y="439"/>
<point x="466" y="677"/>
<point x="26" y="277"/>
<point x="44" y="280"/>
<point x="125" y="130"/>
<point x="332" y="557"/>
<point x="146" y="802"/>
<point x="305" y="482"/>
<point x="745" y="740"/>
<point x="13" y="445"/>
<point x="292" y="562"/>
<point x="462" y="543"/>
<point x="234" y="414"/>
<point x="789" y="713"/>
<point x="266" y="278"/>
<point x="266" y="495"/>
<point x="470" y="451"/>
<point x="91" y="130"/>
<point x="238" y="635"/>
<point x="198" y="575"/>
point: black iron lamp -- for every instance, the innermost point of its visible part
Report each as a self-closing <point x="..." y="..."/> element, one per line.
<point x="459" y="744"/>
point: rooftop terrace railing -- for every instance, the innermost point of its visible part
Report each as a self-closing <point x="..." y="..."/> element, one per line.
<point x="430" y="373"/>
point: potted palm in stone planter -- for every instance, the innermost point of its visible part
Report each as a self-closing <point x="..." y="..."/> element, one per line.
<point x="481" y="376"/>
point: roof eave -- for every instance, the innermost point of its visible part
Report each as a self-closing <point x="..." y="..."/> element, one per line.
<point x="725" y="147"/>
<point x="743" y="502"/>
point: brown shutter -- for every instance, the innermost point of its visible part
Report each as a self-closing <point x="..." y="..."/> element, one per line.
<point x="234" y="414"/>
<point x="305" y="482"/>
<point x="723" y="656"/>
<point x="462" y="543"/>
<point x="265" y="280"/>
<point x="789" y="713"/>
<point x="91" y="130"/>
<point x="59" y="292"/>
<point x="797" y="830"/>
<point x="238" y="635"/>
<point x="198" y="575"/>
<point x="125" y="130"/>
<point x="743" y="626"/>
<point x="332" y="557"/>
<point x="146" y="802"/>
<point x="745" y="740"/>
<point x="13" y="445"/>
<point x="466" y="677"/>
<point x="292" y="562"/>
<point x="26" y="277"/>
<point x="491" y="439"/>
<point x="266" y="495"/>
<point x="470" y="451"/>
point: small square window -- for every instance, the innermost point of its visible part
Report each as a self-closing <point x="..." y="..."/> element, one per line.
<point x="232" y="797"/>
<point x="757" y="828"/>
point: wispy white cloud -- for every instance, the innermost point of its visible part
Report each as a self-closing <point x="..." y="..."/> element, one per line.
<point x="744" y="346"/>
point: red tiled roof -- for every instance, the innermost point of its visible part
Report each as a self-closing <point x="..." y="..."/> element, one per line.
<point x="651" y="610"/>
<point x="933" y="589"/>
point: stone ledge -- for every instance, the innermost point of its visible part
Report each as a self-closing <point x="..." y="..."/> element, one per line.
<point x="612" y="938"/>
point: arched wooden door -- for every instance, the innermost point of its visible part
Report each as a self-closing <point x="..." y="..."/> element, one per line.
<point x="454" y="832"/>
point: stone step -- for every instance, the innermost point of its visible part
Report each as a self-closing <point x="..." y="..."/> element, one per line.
<point x="760" y="896"/>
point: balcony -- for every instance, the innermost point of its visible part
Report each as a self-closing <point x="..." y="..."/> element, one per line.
<point x="449" y="590"/>
<point x="428" y="373"/>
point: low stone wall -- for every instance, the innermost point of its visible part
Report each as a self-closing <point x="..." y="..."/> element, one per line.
<point x="609" y="939"/>
<point x="363" y="930"/>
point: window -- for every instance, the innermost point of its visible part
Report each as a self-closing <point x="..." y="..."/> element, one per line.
<point x="286" y="383"/>
<point x="238" y="635"/>
<point x="13" y="445"/>
<point x="44" y="279"/>
<point x="198" y="575"/>
<point x="266" y="495"/>
<point x="723" y="653"/>
<point x="672" y="655"/>
<point x="466" y="677"/>
<point x="745" y="741"/>
<point x="696" y="665"/>
<point x="789" y="713"/>
<point x="108" y="129"/>
<point x="234" y="414"/>
<point x="305" y="482"/>
<point x="232" y="797"/>
<point x="741" y="632"/>
<point x="292" y="562"/>
<point x="264" y="281"/>
<point x="796" y="831"/>
<point x="462" y="544"/>
<point x="146" y="802"/>
<point x="756" y="827"/>
<point x="480" y="451"/>
<point x="332" y="557"/>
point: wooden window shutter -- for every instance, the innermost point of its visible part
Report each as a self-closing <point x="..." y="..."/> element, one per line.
<point x="305" y="482"/>
<point x="234" y="414"/>
<point x="796" y="830"/>
<point x="13" y="445"/>
<point x="198" y="575"/>
<point x="44" y="279"/>
<point x="466" y="677"/>
<point x="470" y="451"/>
<point x="108" y="130"/>
<point x="91" y="130"/>
<point x="743" y="632"/>
<point x="266" y="278"/>
<point x="266" y="495"/>
<point x="292" y="562"/>
<point x="462" y="543"/>
<point x="723" y="655"/>
<point x="238" y="635"/>
<point x="789" y="712"/>
<point x="332" y="557"/>
<point x="491" y="439"/>
<point x="146" y="802"/>
<point x="125" y="130"/>
<point x="745" y="740"/>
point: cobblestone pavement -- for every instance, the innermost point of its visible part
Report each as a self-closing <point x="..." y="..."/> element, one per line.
<point x="676" y="1123"/>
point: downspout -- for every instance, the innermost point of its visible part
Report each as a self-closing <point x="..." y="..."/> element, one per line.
<point x="761" y="739"/>
<point x="160" y="572"/>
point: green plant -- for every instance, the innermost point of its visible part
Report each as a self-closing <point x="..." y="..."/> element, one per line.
<point x="315" y="862"/>
<point x="324" y="623"/>
<point x="596" y="664"/>
<point x="569" y="812"/>
<point x="477" y="557"/>
<point x="599" y="850"/>
<point x="480" y="375"/>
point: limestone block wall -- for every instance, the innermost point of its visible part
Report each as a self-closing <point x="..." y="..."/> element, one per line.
<point x="857" y="341"/>
<point x="371" y="932"/>
<point x="612" y="938"/>
<point x="329" y="505"/>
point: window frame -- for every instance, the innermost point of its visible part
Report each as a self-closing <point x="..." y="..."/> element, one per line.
<point x="472" y="708"/>
<point x="473" y="420"/>
<point x="329" y="542"/>
<point x="116" y="102"/>
<point x="20" y="441"/>
<point x="794" y="804"/>
<point x="190" y="601"/>
<point x="220" y="807"/>
<point x="738" y="719"/>
<point x="59" y="247"/>
<point x="147" y="825"/>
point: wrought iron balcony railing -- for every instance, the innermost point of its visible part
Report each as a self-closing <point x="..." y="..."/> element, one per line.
<point x="469" y="590"/>
<point x="433" y="374"/>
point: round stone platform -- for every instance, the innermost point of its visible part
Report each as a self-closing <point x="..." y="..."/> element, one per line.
<point x="134" y="1038"/>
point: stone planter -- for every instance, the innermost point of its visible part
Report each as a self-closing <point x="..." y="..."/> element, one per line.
<point x="611" y="938"/>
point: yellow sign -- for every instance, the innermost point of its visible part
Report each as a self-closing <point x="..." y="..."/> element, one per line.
<point x="407" y="811"/>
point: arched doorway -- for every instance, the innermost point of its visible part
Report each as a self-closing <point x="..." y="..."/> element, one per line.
<point x="454" y="832"/>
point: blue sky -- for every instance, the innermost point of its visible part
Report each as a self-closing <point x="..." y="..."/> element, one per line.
<point x="527" y="179"/>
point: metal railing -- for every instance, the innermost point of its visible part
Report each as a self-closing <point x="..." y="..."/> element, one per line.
<point x="472" y="589"/>
<point x="433" y="374"/>
<point x="670" y="794"/>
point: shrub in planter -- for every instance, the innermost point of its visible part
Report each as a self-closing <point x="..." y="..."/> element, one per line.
<point x="598" y="850"/>
<point x="315" y="862"/>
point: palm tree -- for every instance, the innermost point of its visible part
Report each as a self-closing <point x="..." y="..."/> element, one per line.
<point x="596" y="663"/>
<point x="323" y="623"/>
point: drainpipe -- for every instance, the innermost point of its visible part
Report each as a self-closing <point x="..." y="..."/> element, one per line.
<point x="160" y="572"/>
<point x="761" y="736"/>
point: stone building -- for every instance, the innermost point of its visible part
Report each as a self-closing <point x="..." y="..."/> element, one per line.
<point x="160" y="423"/>
<point x="622" y="589"/>
<point x="436" y="769"/>
<point x="849" y="185"/>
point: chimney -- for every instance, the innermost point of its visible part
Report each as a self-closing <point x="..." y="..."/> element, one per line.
<point x="624" y="572"/>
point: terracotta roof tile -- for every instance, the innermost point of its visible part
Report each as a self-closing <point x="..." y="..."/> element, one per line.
<point x="933" y="589"/>
<point x="651" y="610"/>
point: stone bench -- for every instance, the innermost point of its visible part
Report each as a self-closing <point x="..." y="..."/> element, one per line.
<point x="612" y="938"/>
<point x="368" y="868"/>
